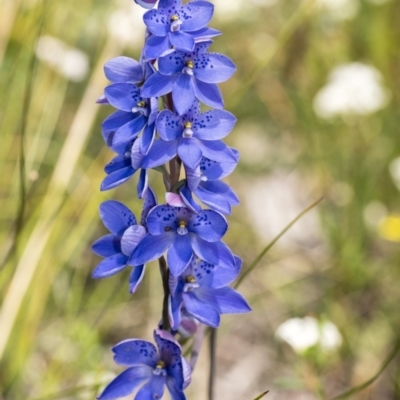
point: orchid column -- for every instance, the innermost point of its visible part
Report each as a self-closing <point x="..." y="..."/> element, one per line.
<point x="176" y="72"/>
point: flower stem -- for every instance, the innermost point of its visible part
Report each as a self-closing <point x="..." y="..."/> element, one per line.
<point x="213" y="364"/>
<point x="165" y="278"/>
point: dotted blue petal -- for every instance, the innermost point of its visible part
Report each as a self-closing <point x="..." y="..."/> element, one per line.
<point x="208" y="225"/>
<point x="131" y="352"/>
<point x="116" y="217"/>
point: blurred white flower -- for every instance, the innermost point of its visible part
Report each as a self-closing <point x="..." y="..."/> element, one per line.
<point x="354" y="88"/>
<point x="126" y="25"/>
<point x="339" y="9"/>
<point x="394" y="169"/>
<point x="275" y="201"/>
<point x="330" y="337"/>
<point x="374" y="213"/>
<point x="303" y="333"/>
<point x="229" y="10"/>
<point x="70" y="62"/>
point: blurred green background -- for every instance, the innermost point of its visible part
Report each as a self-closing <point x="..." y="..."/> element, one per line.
<point x="317" y="98"/>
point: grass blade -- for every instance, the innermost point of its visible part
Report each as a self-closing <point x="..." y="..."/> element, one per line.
<point x="261" y="395"/>
<point x="271" y="244"/>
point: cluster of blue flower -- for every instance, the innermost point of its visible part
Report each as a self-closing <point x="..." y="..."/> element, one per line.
<point x="175" y="70"/>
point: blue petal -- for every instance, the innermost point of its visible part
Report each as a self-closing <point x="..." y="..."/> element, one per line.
<point x="189" y="152"/>
<point x="163" y="219"/>
<point x="195" y="15"/>
<point x="169" y="6"/>
<point x="202" y="47"/>
<point x="160" y="153"/>
<point x="172" y="63"/>
<point x="173" y="391"/>
<point x="129" y="131"/>
<point x="157" y="22"/>
<point x="148" y="136"/>
<point x="169" y="125"/>
<point x="154" y="389"/>
<point x="117" y="163"/>
<point x="116" y="120"/>
<point x="146" y="3"/>
<point x="201" y="309"/>
<point x="175" y="303"/>
<point x="125" y="383"/>
<point x="205" y="33"/>
<point x="217" y="253"/>
<point x="214" y="125"/>
<point x="155" y="47"/>
<point x="229" y="301"/>
<point x="153" y="111"/>
<point x="186" y="195"/>
<point x="179" y="254"/>
<point x="214" y="170"/>
<point x="107" y="246"/>
<point x="171" y="353"/>
<point x="131" y="238"/>
<point x="168" y="347"/>
<point x="110" y="266"/>
<point x="183" y="93"/>
<point x="158" y="85"/>
<point x="123" y="69"/>
<point x="193" y="176"/>
<point x="143" y="183"/>
<point x="217" y="150"/>
<point x="116" y="217"/>
<point x="136" y="154"/>
<point x="136" y="278"/>
<point x="214" y="201"/>
<point x="116" y="178"/>
<point x="131" y="352"/>
<point x="213" y="68"/>
<point x="123" y="96"/>
<point x="220" y="188"/>
<point x="208" y="93"/>
<point x="150" y="248"/>
<point x="149" y="201"/>
<point x="182" y="41"/>
<point x="208" y="225"/>
<point x="216" y="276"/>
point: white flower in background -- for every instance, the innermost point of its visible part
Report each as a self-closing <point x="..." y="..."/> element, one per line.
<point x="70" y="62"/>
<point x="354" y="88"/>
<point x="374" y="213"/>
<point x="126" y="25"/>
<point x="339" y="9"/>
<point x="229" y="10"/>
<point x="303" y="333"/>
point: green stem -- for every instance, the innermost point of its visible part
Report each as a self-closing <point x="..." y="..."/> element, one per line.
<point x="271" y="244"/>
<point x="370" y="381"/>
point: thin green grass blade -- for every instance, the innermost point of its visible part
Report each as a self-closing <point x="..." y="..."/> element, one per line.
<point x="262" y="395"/>
<point x="370" y="381"/>
<point x="271" y="244"/>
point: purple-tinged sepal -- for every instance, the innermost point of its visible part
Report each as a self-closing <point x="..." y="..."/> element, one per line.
<point x="146" y="3"/>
